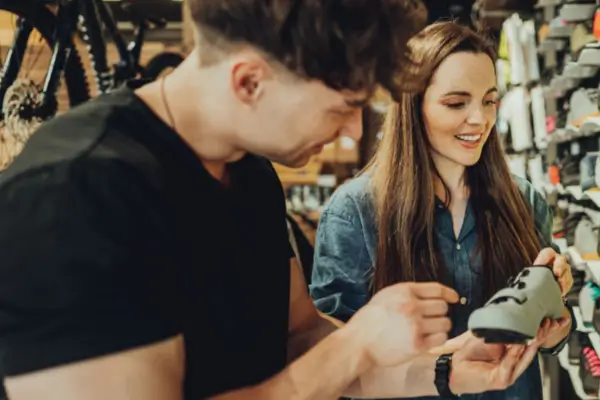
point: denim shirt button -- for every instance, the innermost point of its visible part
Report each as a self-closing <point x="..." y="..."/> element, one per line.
<point x="458" y="246"/>
<point x="463" y="300"/>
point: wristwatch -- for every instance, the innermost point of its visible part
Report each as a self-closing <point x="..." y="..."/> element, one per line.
<point x="443" y="367"/>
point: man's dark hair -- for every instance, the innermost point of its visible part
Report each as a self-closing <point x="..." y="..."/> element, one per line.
<point x="347" y="44"/>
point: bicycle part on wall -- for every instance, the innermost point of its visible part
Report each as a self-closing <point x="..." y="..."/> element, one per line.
<point x="38" y="101"/>
<point x="22" y="94"/>
<point x="58" y="22"/>
<point x="161" y="64"/>
<point x="90" y="19"/>
<point x="33" y="15"/>
<point x="95" y="15"/>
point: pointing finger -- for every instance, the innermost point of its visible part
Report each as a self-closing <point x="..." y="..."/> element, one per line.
<point x="432" y="290"/>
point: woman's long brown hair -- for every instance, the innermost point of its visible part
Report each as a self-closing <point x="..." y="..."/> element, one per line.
<point x="402" y="182"/>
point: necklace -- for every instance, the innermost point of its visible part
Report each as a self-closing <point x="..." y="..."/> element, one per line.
<point x="163" y="93"/>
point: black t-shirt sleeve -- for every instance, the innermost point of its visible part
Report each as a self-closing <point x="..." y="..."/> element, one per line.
<point x="280" y="204"/>
<point x="85" y="266"/>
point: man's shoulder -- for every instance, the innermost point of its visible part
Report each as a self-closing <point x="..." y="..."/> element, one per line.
<point x="89" y="136"/>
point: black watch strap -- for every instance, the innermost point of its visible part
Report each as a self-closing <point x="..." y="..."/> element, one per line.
<point x="443" y="367"/>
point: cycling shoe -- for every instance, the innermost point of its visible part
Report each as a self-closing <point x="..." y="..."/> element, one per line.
<point x="515" y="313"/>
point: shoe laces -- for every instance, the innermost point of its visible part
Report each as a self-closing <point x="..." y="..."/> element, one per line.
<point x="516" y="282"/>
<point x="593" y="362"/>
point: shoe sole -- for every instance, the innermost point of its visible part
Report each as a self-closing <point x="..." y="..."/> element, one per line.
<point x="501" y="336"/>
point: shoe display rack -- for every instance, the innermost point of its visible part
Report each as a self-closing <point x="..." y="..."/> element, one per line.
<point x="580" y="356"/>
<point x="548" y="71"/>
<point x="563" y="161"/>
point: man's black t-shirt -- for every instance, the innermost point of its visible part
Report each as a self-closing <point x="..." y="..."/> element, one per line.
<point x="114" y="236"/>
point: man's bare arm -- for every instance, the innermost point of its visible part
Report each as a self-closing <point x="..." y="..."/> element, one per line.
<point x="323" y="373"/>
<point x="414" y="378"/>
<point x="307" y="325"/>
<point x="156" y="373"/>
<point x="153" y="372"/>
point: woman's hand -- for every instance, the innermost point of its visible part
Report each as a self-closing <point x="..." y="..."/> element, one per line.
<point x="552" y="332"/>
<point x="560" y="267"/>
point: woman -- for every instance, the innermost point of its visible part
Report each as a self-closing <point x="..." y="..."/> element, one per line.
<point x="438" y="201"/>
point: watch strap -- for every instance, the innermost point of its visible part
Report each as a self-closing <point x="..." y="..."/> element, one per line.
<point x="443" y="368"/>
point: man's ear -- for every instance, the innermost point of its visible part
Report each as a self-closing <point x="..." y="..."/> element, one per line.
<point x="248" y="78"/>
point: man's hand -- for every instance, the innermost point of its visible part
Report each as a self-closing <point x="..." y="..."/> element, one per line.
<point x="402" y="321"/>
<point x="481" y="367"/>
<point x="452" y="345"/>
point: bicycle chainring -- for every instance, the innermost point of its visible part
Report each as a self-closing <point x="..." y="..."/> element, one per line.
<point x="9" y="148"/>
<point x="20" y="102"/>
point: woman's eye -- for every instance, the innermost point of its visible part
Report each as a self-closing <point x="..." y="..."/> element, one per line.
<point x="455" y="105"/>
<point x="491" y="102"/>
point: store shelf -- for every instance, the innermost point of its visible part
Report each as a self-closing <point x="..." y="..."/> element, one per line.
<point x="573" y="370"/>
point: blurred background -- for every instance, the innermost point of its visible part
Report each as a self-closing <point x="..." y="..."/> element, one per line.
<point x="58" y="54"/>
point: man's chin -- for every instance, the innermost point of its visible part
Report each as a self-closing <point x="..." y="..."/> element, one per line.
<point x="298" y="163"/>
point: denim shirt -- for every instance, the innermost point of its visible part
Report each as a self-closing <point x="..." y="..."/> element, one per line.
<point x="345" y="252"/>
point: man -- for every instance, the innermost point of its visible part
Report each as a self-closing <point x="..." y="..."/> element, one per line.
<point x="145" y="253"/>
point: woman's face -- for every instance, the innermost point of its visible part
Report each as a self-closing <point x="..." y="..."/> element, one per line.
<point x="459" y="108"/>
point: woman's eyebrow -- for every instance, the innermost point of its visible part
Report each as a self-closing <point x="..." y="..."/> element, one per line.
<point x="467" y="94"/>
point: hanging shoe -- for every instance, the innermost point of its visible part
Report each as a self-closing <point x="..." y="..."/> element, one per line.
<point x="578" y="12"/>
<point x="577" y="342"/>
<point x="586" y="240"/>
<point x="589" y="372"/>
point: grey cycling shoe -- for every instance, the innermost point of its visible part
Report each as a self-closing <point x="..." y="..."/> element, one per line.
<point x="515" y="313"/>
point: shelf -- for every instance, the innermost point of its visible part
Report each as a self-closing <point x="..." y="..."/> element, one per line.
<point x="573" y="370"/>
